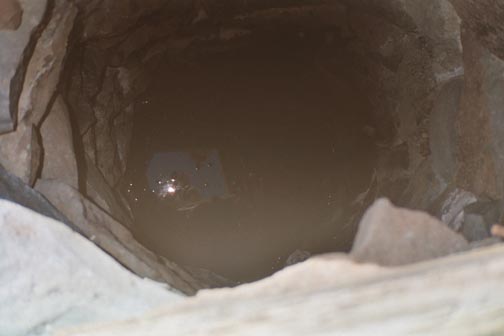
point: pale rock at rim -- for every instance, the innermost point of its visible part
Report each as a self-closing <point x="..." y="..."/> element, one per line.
<point x="52" y="277"/>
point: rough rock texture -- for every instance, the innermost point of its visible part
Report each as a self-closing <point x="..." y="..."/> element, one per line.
<point x="423" y="188"/>
<point x="406" y="51"/>
<point x="443" y="139"/>
<point x="114" y="238"/>
<point x="101" y="95"/>
<point x="16" y="48"/>
<point x="452" y="210"/>
<point x="390" y="236"/>
<point x="484" y="18"/>
<point x="108" y="142"/>
<point x="44" y="69"/>
<point x="479" y="218"/>
<point x="479" y="123"/>
<point x="333" y="296"/>
<point x="97" y="189"/>
<point x="15" y="190"/>
<point x="480" y="142"/>
<point x="107" y="18"/>
<point x="20" y="152"/>
<point x="59" y="161"/>
<point x="51" y="277"/>
<point x="11" y="14"/>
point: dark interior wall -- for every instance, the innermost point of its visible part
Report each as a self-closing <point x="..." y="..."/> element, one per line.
<point x="323" y="100"/>
<point x="296" y="144"/>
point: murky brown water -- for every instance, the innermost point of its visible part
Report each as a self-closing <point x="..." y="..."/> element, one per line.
<point x="288" y="141"/>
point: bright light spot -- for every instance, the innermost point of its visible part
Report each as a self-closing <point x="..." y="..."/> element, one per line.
<point x="171" y="190"/>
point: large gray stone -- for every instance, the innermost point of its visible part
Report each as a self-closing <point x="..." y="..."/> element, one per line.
<point x="51" y="277"/>
<point x="16" y="47"/>
<point x="15" y="190"/>
<point x="438" y="21"/>
<point x="21" y="152"/>
<point x="18" y="151"/>
<point x="452" y="209"/>
<point x="57" y="141"/>
<point x="46" y="63"/>
<point x="107" y="141"/>
<point x="391" y="236"/>
<point x="479" y="217"/>
<point x="442" y="134"/>
<point x="480" y="121"/>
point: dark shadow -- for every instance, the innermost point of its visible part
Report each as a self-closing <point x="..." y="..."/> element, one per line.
<point x="293" y="133"/>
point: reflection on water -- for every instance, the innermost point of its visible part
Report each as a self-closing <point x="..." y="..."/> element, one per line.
<point x="244" y="158"/>
<point x="184" y="180"/>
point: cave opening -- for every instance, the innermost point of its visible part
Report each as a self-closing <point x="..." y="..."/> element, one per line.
<point x="248" y="155"/>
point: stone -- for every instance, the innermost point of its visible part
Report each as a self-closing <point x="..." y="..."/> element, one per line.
<point x="438" y="21"/>
<point x="46" y="63"/>
<point x="297" y="257"/>
<point x="101" y="23"/>
<point x="452" y="210"/>
<point x="442" y="135"/>
<point x="475" y="228"/>
<point x="107" y="142"/>
<point x="331" y="295"/>
<point x="11" y="15"/>
<point x="479" y="218"/>
<point x="86" y="73"/>
<point x="480" y="121"/>
<point x="391" y="236"/>
<point x="99" y="191"/>
<point x="51" y="277"/>
<point x="59" y="161"/>
<point x="21" y="152"/>
<point x="16" y="46"/>
<point x="423" y="189"/>
<point x="484" y="19"/>
<point x="15" y="190"/>
<point x="114" y="238"/>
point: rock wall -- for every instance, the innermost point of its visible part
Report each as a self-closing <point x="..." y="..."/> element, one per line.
<point x="43" y="143"/>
